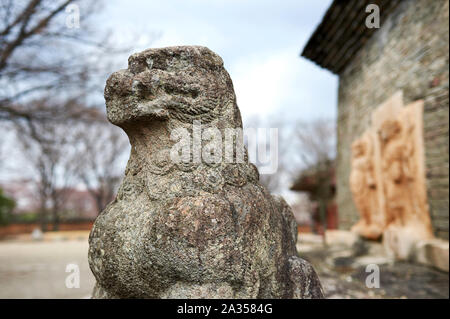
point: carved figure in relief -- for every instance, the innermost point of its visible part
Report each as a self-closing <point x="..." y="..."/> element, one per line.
<point x="404" y="207"/>
<point x="364" y="188"/>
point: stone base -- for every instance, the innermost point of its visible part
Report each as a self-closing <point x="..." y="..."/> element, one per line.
<point x="343" y="237"/>
<point x="406" y="244"/>
<point x="400" y="243"/>
<point x="433" y="252"/>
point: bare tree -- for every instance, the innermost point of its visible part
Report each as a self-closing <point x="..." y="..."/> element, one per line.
<point x="51" y="79"/>
<point x="101" y="151"/>
<point x="288" y="161"/>
<point x="41" y="56"/>
<point x="316" y="145"/>
<point x="64" y="155"/>
<point x="49" y="159"/>
<point x="315" y="141"/>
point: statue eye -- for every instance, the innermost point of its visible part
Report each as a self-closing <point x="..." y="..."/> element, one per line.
<point x="142" y="90"/>
<point x="194" y="93"/>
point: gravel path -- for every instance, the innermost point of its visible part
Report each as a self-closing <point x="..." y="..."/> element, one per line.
<point x="343" y="273"/>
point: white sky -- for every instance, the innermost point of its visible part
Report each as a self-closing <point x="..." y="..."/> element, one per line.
<point x="259" y="41"/>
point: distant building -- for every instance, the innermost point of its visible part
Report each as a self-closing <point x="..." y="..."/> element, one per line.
<point x="23" y="193"/>
<point x="78" y="204"/>
<point x="311" y="182"/>
<point x="408" y="53"/>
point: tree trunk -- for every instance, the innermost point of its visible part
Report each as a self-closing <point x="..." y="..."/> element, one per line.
<point x="43" y="219"/>
<point x="55" y="221"/>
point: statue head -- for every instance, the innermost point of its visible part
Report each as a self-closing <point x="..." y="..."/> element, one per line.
<point x="358" y="148"/>
<point x="184" y="83"/>
<point x="389" y="130"/>
<point x="362" y="146"/>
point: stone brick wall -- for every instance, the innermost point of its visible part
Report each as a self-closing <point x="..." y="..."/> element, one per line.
<point x="410" y="52"/>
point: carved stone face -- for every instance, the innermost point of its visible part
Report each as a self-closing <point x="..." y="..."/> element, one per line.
<point x="389" y="130"/>
<point x="181" y="83"/>
<point x="358" y="148"/>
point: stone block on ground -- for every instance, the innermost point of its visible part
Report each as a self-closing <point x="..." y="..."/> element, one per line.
<point x="433" y="252"/>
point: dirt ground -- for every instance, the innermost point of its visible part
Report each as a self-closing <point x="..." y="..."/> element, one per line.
<point x="30" y="269"/>
<point x="37" y="269"/>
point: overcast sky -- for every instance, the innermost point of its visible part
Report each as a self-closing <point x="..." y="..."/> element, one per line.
<point x="259" y="41"/>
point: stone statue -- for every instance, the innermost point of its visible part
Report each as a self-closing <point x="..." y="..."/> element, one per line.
<point x="189" y="228"/>
<point x="364" y="188"/>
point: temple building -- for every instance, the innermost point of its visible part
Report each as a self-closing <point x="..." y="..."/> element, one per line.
<point x="392" y="169"/>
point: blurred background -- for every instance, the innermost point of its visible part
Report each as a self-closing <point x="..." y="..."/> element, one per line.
<point x="61" y="162"/>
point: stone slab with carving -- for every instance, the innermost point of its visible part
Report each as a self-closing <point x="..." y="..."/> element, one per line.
<point x="189" y="229"/>
<point x="388" y="178"/>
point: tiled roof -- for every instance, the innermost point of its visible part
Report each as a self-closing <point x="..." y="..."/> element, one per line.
<point x="342" y="32"/>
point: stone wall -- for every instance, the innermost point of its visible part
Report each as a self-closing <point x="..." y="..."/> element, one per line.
<point x="410" y="52"/>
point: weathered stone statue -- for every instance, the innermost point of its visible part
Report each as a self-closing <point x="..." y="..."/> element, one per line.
<point x="189" y="229"/>
<point x="363" y="186"/>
